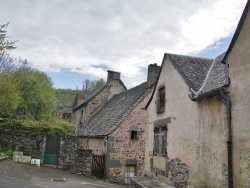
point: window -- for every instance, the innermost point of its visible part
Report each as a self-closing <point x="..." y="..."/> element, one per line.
<point x="161" y="100"/>
<point x="133" y="135"/>
<point x="160" y="140"/>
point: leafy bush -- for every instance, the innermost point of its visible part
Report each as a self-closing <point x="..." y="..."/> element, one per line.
<point x="50" y="125"/>
<point x="8" y="153"/>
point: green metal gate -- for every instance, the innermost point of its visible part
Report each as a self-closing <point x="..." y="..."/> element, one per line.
<point x="52" y="149"/>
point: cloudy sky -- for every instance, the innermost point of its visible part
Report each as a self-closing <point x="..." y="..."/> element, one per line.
<point x="82" y="39"/>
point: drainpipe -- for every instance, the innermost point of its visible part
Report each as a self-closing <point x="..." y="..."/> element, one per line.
<point x="226" y="100"/>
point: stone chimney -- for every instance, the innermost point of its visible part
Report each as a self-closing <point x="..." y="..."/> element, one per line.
<point x="153" y="71"/>
<point x="112" y="75"/>
<point x="80" y="101"/>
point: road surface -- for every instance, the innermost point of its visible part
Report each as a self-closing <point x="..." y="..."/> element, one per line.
<point x="19" y="175"/>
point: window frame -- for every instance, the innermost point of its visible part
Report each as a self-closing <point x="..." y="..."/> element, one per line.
<point x="135" y="135"/>
<point x="160" y="140"/>
<point x="161" y="100"/>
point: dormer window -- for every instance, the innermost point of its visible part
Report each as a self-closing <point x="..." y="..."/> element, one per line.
<point x="161" y="100"/>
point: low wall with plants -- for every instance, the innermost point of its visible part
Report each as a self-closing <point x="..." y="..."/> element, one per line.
<point x="71" y="158"/>
<point x="29" y="143"/>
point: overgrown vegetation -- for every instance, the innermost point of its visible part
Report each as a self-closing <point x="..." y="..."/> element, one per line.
<point x="27" y="96"/>
<point x="68" y="97"/>
<point x="8" y="153"/>
<point x="48" y="126"/>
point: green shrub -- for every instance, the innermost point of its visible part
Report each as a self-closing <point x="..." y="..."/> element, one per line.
<point x="8" y="153"/>
<point x="50" y="125"/>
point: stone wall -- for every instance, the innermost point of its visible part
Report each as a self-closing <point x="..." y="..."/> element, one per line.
<point x="179" y="173"/>
<point x="72" y="159"/>
<point x="122" y="151"/>
<point x="83" y="161"/>
<point x="31" y="144"/>
<point x="87" y="111"/>
<point x="97" y="103"/>
<point x="68" y="153"/>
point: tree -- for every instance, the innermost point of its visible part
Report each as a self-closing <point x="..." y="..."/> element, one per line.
<point x="37" y="94"/>
<point x="90" y="87"/>
<point x="9" y="95"/>
<point x="4" y="43"/>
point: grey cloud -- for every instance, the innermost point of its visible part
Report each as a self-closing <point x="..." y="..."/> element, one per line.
<point x="84" y="33"/>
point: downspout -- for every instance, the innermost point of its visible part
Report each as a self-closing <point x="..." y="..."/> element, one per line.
<point x="226" y="100"/>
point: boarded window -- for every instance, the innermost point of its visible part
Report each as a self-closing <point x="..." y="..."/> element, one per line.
<point x="160" y="140"/>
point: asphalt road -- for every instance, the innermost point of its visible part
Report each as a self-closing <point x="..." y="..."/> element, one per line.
<point x="19" y="175"/>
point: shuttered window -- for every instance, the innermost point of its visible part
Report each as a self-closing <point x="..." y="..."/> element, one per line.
<point x="160" y="140"/>
<point x="156" y="140"/>
<point x="160" y="103"/>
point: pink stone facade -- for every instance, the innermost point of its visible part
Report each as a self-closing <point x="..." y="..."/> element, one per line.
<point x="122" y="150"/>
<point x="88" y="110"/>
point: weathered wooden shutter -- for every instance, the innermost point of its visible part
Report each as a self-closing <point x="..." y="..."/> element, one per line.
<point x="163" y="141"/>
<point x="157" y="105"/>
<point x="156" y="141"/>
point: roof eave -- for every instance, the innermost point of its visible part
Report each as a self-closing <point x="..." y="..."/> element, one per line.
<point x="207" y="94"/>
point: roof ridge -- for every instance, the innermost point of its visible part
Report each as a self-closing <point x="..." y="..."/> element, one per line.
<point x="91" y="96"/>
<point x="188" y="56"/>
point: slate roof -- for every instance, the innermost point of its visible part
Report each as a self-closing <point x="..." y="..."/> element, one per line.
<point x="196" y="74"/>
<point x="115" y="111"/>
<point x="216" y="78"/>
<point x="192" y="69"/>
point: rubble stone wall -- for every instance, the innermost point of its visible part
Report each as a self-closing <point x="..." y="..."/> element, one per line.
<point x="122" y="150"/>
<point x="30" y="143"/>
<point x="73" y="159"/>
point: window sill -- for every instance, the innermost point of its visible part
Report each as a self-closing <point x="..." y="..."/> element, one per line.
<point x="159" y="111"/>
<point x="160" y="155"/>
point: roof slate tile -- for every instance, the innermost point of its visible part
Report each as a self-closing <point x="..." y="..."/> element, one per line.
<point x="115" y="111"/>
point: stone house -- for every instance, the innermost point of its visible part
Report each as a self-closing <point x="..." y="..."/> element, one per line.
<point x="94" y="102"/>
<point x="186" y="140"/>
<point x="191" y="138"/>
<point x="65" y="113"/>
<point x="118" y="130"/>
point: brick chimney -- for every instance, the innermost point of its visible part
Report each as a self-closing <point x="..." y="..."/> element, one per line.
<point x="153" y="71"/>
<point x="80" y="101"/>
<point x="112" y="75"/>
